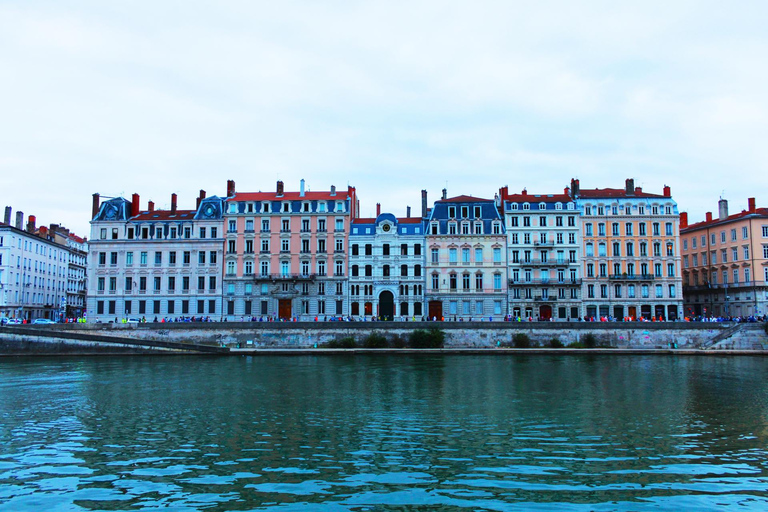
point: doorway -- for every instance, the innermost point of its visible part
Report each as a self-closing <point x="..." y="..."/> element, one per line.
<point x="545" y="312"/>
<point x="284" y="309"/>
<point x="386" y="305"/>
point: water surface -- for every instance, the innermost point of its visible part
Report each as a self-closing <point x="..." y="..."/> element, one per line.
<point x="384" y="433"/>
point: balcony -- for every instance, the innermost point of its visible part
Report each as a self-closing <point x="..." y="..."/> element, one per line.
<point x="286" y="277"/>
<point x="632" y="277"/>
<point x="546" y="282"/>
<point x="537" y="262"/>
<point x="548" y="243"/>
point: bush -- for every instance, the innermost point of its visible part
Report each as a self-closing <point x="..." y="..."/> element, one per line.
<point x="375" y="340"/>
<point x="555" y="343"/>
<point x="576" y="344"/>
<point x="420" y="338"/>
<point x="521" y="340"/>
<point x="590" y="340"/>
<point x="345" y="342"/>
<point x="397" y="341"/>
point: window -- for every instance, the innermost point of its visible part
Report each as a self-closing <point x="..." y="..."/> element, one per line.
<point x="452" y="255"/>
<point x="435" y="255"/>
<point x="497" y="255"/>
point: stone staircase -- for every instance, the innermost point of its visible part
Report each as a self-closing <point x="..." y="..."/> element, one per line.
<point x="747" y="336"/>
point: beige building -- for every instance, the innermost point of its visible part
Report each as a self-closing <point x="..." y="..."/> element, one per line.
<point x="725" y="262"/>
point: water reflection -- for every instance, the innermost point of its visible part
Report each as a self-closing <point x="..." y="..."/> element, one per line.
<point x="383" y="433"/>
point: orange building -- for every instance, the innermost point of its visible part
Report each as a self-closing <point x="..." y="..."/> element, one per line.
<point x="725" y="262"/>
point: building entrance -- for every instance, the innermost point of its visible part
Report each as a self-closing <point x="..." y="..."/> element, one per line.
<point x="545" y="313"/>
<point x="436" y="309"/>
<point x="386" y="305"/>
<point x="284" y="309"/>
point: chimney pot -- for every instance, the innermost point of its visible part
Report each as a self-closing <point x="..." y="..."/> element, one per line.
<point x="667" y="191"/>
<point x="709" y="216"/>
<point x="151" y="206"/>
<point x="333" y="190"/>
<point x="95" y="206"/>
<point x="173" y="203"/>
<point x="722" y="208"/>
<point x="408" y="212"/>
<point x="445" y="194"/>
<point x="230" y="188"/>
<point x="19" y="220"/>
<point x="751" y="201"/>
<point x="301" y="188"/>
<point x="423" y="204"/>
<point x="135" y="205"/>
<point x="378" y="209"/>
<point x="683" y="220"/>
<point x="575" y="188"/>
<point x="7" y="218"/>
<point x="31" y="224"/>
<point x="630" y="186"/>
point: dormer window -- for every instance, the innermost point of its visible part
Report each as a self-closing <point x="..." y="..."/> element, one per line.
<point x="305" y="207"/>
<point x="558" y="206"/>
<point x="232" y="207"/>
<point x="513" y="206"/>
<point x="451" y="228"/>
<point x="526" y="206"/>
<point x="452" y="212"/>
<point x="542" y="206"/>
<point x="339" y="206"/>
<point x="570" y="206"/>
<point x="435" y="228"/>
<point x="265" y="207"/>
<point x="478" y="212"/>
<point x="321" y="206"/>
<point x="464" y="212"/>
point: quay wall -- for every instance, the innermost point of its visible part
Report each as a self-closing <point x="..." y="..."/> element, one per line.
<point x="302" y="335"/>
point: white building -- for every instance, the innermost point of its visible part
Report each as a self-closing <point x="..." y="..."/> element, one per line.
<point x="543" y="255"/>
<point x="387" y="267"/>
<point x="155" y="263"/>
<point x="33" y="271"/>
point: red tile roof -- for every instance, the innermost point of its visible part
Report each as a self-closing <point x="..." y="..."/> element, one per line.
<point x="598" y="193"/>
<point x="463" y="199"/>
<point x="289" y="196"/>
<point x="538" y="198"/>
<point x="165" y="215"/>
<point x="761" y="212"/>
<point x="76" y="238"/>
<point x="401" y="220"/>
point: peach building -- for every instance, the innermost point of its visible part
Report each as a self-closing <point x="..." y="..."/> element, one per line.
<point x="286" y="252"/>
<point x="725" y="262"/>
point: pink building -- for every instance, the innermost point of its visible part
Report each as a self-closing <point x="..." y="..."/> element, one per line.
<point x="725" y="262"/>
<point x="286" y="253"/>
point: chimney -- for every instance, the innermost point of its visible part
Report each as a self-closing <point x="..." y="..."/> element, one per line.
<point x="667" y="191"/>
<point x="630" y="187"/>
<point x="408" y="211"/>
<point x="333" y="190"/>
<point x="230" y="188"/>
<point x="683" y="220"/>
<point x="19" y="220"/>
<point x="301" y="188"/>
<point x="44" y="232"/>
<point x="135" y="205"/>
<point x="31" y="224"/>
<point x="151" y="206"/>
<point x="200" y="199"/>
<point x="7" y="218"/>
<point x="722" y="208"/>
<point x="575" y="188"/>
<point x="750" y="201"/>
<point x="202" y="194"/>
<point x="445" y="194"/>
<point x="709" y="216"/>
<point x="567" y="191"/>
<point x="378" y="209"/>
<point x="95" y="206"/>
<point x="638" y="190"/>
<point x="423" y="204"/>
<point x="173" y="204"/>
<point x="525" y="192"/>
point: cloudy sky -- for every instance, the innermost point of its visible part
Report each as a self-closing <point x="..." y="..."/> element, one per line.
<point x="392" y="97"/>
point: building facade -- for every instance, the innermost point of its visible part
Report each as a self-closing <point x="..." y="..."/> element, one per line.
<point x="286" y="253"/>
<point x="725" y="262"/>
<point x="467" y="260"/>
<point x="387" y="267"/>
<point x="33" y="271"/>
<point x="631" y="254"/>
<point x="155" y="264"/>
<point x="543" y="255"/>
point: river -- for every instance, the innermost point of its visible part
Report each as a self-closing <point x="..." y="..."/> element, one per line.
<point x="384" y="433"/>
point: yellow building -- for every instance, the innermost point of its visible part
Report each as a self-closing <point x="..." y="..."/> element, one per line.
<point x="725" y="262"/>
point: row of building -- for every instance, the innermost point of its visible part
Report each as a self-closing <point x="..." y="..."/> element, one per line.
<point x="581" y="253"/>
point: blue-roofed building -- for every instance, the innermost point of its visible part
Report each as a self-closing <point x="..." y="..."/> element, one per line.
<point x="467" y="260"/>
<point x="386" y="267"/>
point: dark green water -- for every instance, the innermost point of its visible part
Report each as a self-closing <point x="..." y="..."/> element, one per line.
<point x="375" y="433"/>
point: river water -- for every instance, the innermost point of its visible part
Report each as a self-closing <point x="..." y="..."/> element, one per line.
<point x="384" y="433"/>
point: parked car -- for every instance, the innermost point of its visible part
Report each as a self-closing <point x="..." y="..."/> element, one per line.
<point x="42" y="321"/>
<point x="133" y="321"/>
<point x="14" y="321"/>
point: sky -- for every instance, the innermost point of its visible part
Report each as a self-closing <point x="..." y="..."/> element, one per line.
<point x="162" y="97"/>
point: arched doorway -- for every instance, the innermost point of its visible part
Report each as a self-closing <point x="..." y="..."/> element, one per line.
<point x="386" y="305"/>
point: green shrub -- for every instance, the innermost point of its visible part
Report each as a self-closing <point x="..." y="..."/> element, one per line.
<point x="576" y="344"/>
<point x="555" y="343"/>
<point x="345" y="342"/>
<point x="375" y="340"/>
<point x="521" y="340"/>
<point x="590" y="340"/>
<point x="421" y="338"/>
<point x="398" y="341"/>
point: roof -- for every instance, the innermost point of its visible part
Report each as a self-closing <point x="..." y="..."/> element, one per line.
<point x="598" y="193"/>
<point x="76" y="238"/>
<point x="759" y="212"/>
<point x="464" y="199"/>
<point x="400" y="220"/>
<point x="165" y="215"/>
<point x="538" y="198"/>
<point x="289" y="196"/>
